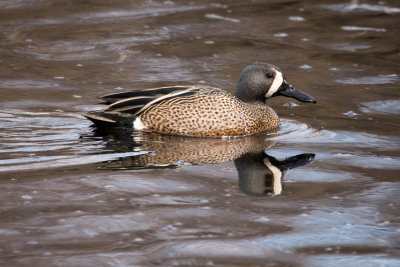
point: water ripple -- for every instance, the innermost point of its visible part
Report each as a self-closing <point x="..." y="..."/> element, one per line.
<point x="380" y="79"/>
<point x="384" y="106"/>
<point x="293" y="130"/>
<point x="357" y="28"/>
<point x="36" y="140"/>
<point x="356" y="7"/>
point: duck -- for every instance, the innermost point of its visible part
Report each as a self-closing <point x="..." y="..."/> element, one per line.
<point x="201" y="110"/>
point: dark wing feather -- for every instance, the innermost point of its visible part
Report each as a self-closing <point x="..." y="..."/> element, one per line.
<point x="129" y="109"/>
<point x="111" y="98"/>
<point x="132" y="101"/>
<point x="177" y="93"/>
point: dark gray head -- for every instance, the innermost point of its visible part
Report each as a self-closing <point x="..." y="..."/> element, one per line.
<point x="261" y="81"/>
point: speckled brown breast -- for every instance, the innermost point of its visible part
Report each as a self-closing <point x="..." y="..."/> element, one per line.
<point x="209" y="112"/>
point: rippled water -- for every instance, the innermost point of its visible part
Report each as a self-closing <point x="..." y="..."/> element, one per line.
<point x="76" y="196"/>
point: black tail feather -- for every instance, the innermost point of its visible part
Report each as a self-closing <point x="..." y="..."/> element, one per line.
<point x="103" y="119"/>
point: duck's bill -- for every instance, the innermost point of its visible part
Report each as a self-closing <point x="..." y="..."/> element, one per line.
<point x="288" y="90"/>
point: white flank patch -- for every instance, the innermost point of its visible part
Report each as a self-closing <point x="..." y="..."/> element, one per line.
<point x="138" y="125"/>
<point x="277" y="177"/>
<point x="275" y="84"/>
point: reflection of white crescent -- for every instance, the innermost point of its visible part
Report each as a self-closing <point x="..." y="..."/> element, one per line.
<point x="276" y="177"/>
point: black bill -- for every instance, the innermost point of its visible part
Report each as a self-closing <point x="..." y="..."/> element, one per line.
<point x="288" y="90"/>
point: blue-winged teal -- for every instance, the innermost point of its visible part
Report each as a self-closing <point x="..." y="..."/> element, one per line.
<point x="200" y="110"/>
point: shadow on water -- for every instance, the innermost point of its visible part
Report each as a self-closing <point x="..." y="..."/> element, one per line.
<point x="258" y="173"/>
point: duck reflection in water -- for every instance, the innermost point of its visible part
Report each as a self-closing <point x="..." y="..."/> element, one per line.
<point x="259" y="174"/>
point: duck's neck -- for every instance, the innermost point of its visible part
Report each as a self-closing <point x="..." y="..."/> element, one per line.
<point x="248" y="94"/>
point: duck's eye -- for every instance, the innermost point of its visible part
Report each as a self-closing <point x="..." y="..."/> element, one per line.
<point x="269" y="75"/>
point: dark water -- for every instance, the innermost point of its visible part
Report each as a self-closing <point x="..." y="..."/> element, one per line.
<point x="73" y="196"/>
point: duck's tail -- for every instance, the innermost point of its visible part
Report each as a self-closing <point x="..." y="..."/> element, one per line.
<point x="106" y="119"/>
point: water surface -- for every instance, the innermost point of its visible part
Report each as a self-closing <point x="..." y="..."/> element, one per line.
<point x="76" y="196"/>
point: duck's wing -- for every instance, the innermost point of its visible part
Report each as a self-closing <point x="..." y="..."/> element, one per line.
<point x="140" y="101"/>
<point x="127" y="106"/>
<point x="151" y="92"/>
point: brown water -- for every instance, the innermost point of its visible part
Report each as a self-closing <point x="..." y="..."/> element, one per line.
<point x="73" y="196"/>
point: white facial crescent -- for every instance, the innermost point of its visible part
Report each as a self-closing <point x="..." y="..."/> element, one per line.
<point x="278" y="80"/>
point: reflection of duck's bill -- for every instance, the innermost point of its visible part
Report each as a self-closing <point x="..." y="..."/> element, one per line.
<point x="294" y="161"/>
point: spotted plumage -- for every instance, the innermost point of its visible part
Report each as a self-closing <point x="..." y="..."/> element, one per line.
<point x="202" y="110"/>
<point x="208" y="112"/>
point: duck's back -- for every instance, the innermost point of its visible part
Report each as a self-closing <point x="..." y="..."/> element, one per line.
<point x="208" y="112"/>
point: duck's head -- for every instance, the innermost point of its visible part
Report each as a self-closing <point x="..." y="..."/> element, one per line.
<point x="260" y="81"/>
